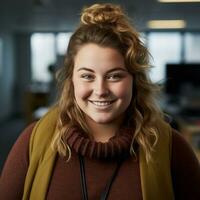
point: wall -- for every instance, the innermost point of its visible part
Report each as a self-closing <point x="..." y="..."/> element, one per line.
<point x="6" y="76"/>
<point x="15" y="73"/>
<point x="22" y="70"/>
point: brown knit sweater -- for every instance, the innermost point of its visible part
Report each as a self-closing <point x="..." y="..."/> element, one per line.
<point x="100" y="161"/>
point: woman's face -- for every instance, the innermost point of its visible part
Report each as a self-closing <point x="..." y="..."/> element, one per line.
<point x="102" y="84"/>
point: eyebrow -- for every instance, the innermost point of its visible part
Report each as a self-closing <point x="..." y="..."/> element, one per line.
<point x="109" y="71"/>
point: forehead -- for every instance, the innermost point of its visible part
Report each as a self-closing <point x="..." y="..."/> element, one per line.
<point x="98" y="58"/>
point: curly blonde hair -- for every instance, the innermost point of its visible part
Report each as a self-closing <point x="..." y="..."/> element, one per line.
<point x="108" y="26"/>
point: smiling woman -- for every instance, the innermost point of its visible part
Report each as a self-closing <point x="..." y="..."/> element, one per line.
<point x="102" y="89"/>
<point x="106" y="138"/>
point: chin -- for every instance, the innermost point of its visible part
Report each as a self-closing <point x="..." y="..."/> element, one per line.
<point x="103" y="120"/>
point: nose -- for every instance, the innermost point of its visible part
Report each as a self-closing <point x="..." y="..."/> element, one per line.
<point x="101" y="88"/>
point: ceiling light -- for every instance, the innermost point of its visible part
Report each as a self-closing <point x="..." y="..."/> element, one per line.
<point x="166" y="24"/>
<point x="178" y="1"/>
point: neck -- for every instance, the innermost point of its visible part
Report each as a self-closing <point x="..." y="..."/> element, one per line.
<point x="103" y="132"/>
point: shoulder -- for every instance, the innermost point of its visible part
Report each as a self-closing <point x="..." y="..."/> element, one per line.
<point x="12" y="183"/>
<point x="185" y="168"/>
<point x="21" y="146"/>
<point x="25" y="135"/>
<point x="22" y="142"/>
<point x="181" y="149"/>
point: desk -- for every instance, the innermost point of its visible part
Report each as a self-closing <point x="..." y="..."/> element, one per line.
<point x="33" y="101"/>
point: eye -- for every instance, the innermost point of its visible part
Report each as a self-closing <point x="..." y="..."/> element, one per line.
<point x="88" y="77"/>
<point x="115" y="77"/>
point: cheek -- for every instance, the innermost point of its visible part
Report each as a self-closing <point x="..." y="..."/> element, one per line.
<point x="81" y="91"/>
<point x="124" y="90"/>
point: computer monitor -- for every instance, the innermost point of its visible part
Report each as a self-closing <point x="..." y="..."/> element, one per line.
<point x="181" y="76"/>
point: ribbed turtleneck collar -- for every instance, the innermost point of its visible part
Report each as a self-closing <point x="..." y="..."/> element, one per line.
<point x="117" y="146"/>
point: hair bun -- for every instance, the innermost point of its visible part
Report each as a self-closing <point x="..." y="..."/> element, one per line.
<point x="101" y="14"/>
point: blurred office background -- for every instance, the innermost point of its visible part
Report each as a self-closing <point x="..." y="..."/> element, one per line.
<point x="33" y="39"/>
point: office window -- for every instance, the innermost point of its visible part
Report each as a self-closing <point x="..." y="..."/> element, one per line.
<point x="192" y="47"/>
<point x="42" y="55"/>
<point x="62" y="40"/>
<point x="164" y="48"/>
<point x="143" y="38"/>
<point x="47" y="49"/>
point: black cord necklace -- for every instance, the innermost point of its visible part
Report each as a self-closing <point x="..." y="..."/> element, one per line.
<point x="105" y="192"/>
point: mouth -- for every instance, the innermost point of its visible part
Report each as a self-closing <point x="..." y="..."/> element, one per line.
<point x="101" y="103"/>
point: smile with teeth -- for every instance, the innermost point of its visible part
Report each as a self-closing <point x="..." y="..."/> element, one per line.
<point x="101" y="103"/>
